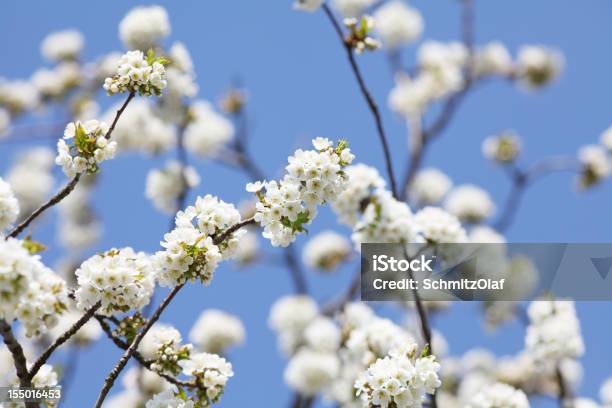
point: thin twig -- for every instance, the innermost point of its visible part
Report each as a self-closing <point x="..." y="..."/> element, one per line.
<point x="62" y="339"/>
<point x="521" y="179"/>
<point x="112" y="376"/>
<point x="368" y="97"/>
<point x="137" y="356"/>
<point x="21" y="365"/>
<point x="63" y="193"/>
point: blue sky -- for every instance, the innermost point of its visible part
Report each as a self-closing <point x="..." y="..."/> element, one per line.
<point x="300" y="86"/>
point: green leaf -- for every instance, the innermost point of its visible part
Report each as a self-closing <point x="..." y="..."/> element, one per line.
<point x="33" y="247"/>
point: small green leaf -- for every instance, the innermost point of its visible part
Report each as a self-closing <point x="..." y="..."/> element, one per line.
<point x="33" y="247"/>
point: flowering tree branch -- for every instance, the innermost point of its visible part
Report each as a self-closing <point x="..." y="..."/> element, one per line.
<point x="16" y="351"/>
<point x="62" y="339"/>
<point x="64" y="192"/>
<point x="372" y="105"/>
<point x="137" y="356"/>
<point x="112" y="376"/>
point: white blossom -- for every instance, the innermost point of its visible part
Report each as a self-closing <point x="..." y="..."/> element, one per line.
<point x="398" y="24"/>
<point x="138" y="73"/>
<point x="362" y="181"/>
<point x="376" y="339"/>
<point x="167" y="399"/>
<point x="56" y="82"/>
<point x="163" y="186"/>
<point x="385" y="220"/>
<point x="62" y="45"/>
<point x="605" y="392"/>
<point x="429" y="186"/>
<point x="142" y="129"/>
<point x="309" y="371"/>
<point x="352" y="8"/>
<point x="437" y="226"/>
<point x="120" y="279"/>
<point x="605" y="139"/>
<point x="469" y="203"/>
<point x="189" y="251"/>
<point x="538" y="65"/>
<point x="248" y="250"/>
<point x="595" y="165"/>
<point x="411" y="96"/>
<point x="215" y="331"/>
<point x="9" y="206"/>
<point x="211" y="370"/>
<point x="79" y="227"/>
<point x="208" y="131"/>
<point x="502" y="148"/>
<point x="181" y="75"/>
<point x="313" y="178"/>
<point x="31" y="292"/>
<point x="323" y="334"/>
<point x="158" y="337"/>
<point x="499" y="396"/>
<point x="326" y="250"/>
<point x="554" y="331"/>
<point x="289" y="317"/>
<point x="31" y="177"/>
<point x="18" y="96"/>
<point x="485" y="235"/>
<point x="401" y="379"/>
<point x="144" y="27"/>
<point x="492" y="59"/>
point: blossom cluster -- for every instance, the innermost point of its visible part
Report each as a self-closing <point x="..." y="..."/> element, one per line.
<point x="120" y="279"/>
<point x="502" y="148"/>
<point x="469" y="203"/>
<point x="401" y="379"/>
<point x="208" y="131"/>
<point x="31" y="177"/>
<point x="326" y="251"/>
<point x="163" y="345"/>
<point x="215" y="331"/>
<point x="398" y="24"/>
<point x="90" y="147"/>
<point x="62" y="45"/>
<point x="313" y="177"/>
<point x="144" y="27"/>
<point x="136" y="72"/>
<point x="429" y="187"/>
<point x="209" y="371"/>
<point x="499" y="395"/>
<point x="9" y="206"/>
<point x="362" y="181"/>
<point x="554" y="331"/>
<point x="142" y="129"/>
<point x="163" y="186"/>
<point x="190" y="253"/>
<point x="30" y="291"/>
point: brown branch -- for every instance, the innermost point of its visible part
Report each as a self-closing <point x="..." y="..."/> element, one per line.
<point x="112" y="376"/>
<point x="565" y="395"/>
<point x="62" y="339"/>
<point x="368" y="98"/>
<point x="63" y="193"/>
<point x="19" y="360"/>
<point x="139" y="357"/>
<point x="226" y="233"/>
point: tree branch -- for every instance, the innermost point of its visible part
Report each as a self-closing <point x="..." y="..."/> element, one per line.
<point x="63" y="193"/>
<point x="112" y="376"/>
<point x="62" y="339"/>
<point x="367" y="96"/>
